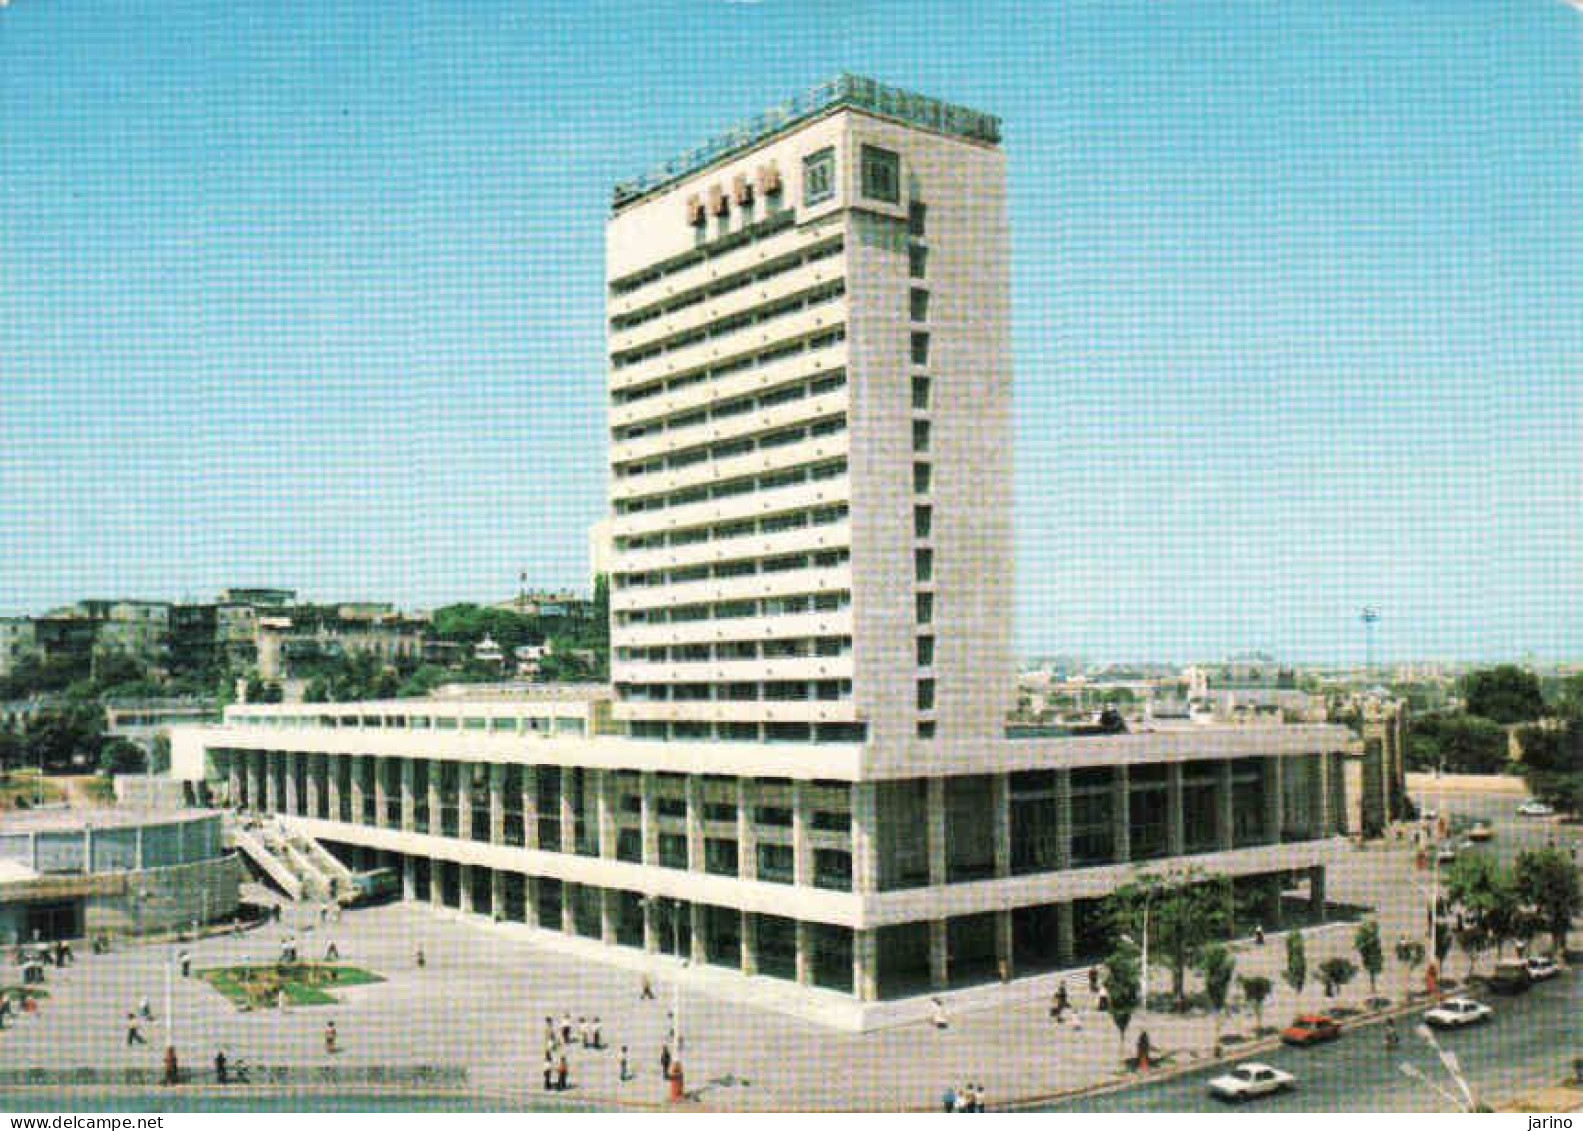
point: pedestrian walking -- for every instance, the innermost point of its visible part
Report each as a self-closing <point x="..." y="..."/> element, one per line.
<point x="549" y="1070"/>
<point x="665" y="1062"/>
<point x="332" y="953"/>
<point x="566" y="1028"/>
<point x="330" y="1038"/>
<point x="948" y="1100"/>
<point x="5" y="1010"/>
<point x="134" y="1033"/>
<point x="420" y="959"/>
<point x="585" y="1035"/>
<point x="1258" y="933"/>
<point x="626" y="1072"/>
<point x="1093" y="979"/>
<point x="220" y="1075"/>
<point x="549" y="1030"/>
<point x="186" y="964"/>
<point x="560" y="1074"/>
<point x="599" y="1037"/>
<point x="937" y="1014"/>
<point x="144" y="1010"/>
<point x="647" y="993"/>
<point x="964" y="1098"/>
<point x="978" y="1098"/>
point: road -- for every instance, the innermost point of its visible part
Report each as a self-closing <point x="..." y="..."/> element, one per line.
<point x="1530" y="1043"/>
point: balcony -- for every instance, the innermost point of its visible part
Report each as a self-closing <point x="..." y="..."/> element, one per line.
<point x="744" y="424"/>
<point x="748" y="711"/>
<point x="836" y="623"/>
<point x="734" y="671"/>
<point x="829" y="536"/>
<point x="754" y="505"/>
<point x="779" y="584"/>
<point x="809" y="363"/>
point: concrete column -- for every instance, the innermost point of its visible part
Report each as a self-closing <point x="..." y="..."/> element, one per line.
<point x="1224" y="820"/>
<point x="607" y="917"/>
<point x="272" y="776"/>
<point x="649" y="826"/>
<point x="497" y="804"/>
<point x="530" y="807"/>
<point x="354" y="787"/>
<point x="605" y="783"/>
<point x="409" y="796"/>
<point x="258" y="793"/>
<point x="865" y="838"/>
<point x="750" y="943"/>
<point x="312" y="769"/>
<point x="1000" y="818"/>
<point x="289" y="760"/>
<point x="747" y="850"/>
<point x="651" y="925"/>
<point x="934" y="804"/>
<point x="1316" y="891"/>
<point x="530" y="900"/>
<point x="436" y="773"/>
<point x="802" y="849"/>
<point x="409" y="879"/>
<point x="1003" y="947"/>
<point x="1063" y="818"/>
<point x="693" y="785"/>
<point x="464" y="800"/>
<point x="464" y="884"/>
<point x="1121" y="815"/>
<point x="332" y="786"/>
<point x="568" y="814"/>
<point x="700" y="932"/>
<point x="939" y="954"/>
<point x="865" y="964"/>
<point x="1326" y="818"/>
<point x="437" y="883"/>
<point x="804" y="954"/>
<point x="497" y="895"/>
<point x="1175" y="827"/>
<point x="380" y="769"/>
<point x="568" y="899"/>
<point x="233" y="783"/>
<point x="1274" y="798"/>
<point x="1065" y="933"/>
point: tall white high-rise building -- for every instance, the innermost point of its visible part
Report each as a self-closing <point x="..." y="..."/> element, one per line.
<point x="801" y="770"/>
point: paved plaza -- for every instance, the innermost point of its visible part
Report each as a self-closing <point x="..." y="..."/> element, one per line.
<point x="481" y="999"/>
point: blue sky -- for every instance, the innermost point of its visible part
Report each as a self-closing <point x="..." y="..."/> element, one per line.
<point x="311" y="294"/>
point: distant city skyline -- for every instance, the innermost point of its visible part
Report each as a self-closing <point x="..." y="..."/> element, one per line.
<point x="314" y="298"/>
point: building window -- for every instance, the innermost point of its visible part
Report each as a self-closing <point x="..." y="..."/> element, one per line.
<point x="925" y="603"/>
<point x="920" y="435"/>
<point x="926" y="695"/>
<point x="926" y="730"/>
<point x="922" y="521"/>
<point x="926" y="651"/>
<point x="918" y="304"/>
<point x="920" y="393"/>
<point x="923" y="564"/>
<point x="818" y="177"/>
<point x="881" y="175"/>
<point x="776" y="863"/>
<point x="917" y="261"/>
<point x="917" y="214"/>
<point x="921" y="478"/>
<point x="920" y="348"/>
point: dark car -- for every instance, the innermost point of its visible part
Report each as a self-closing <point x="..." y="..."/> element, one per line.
<point x="1510" y="977"/>
<point x="1311" y="1029"/>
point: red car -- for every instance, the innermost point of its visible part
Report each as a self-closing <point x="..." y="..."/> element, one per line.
<point x="1311" y="1029"/>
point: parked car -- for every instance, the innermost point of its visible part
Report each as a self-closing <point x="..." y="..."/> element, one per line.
<point x="1248" y="1081"/>
<point x="1542" y="969"/>
<point x="1534" y="809"/>
<point x="1510" y="976"/>
<point x="1311" y="1029"/>
<point x="1458" y="1012"/>
<point x="1481" y="832"/>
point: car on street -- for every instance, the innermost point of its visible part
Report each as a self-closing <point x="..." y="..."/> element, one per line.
<point x="1481" y="832"/>
<point x="1447" y="854"/>
<point x="1311" y="1029"/>
<point x="1541" y="969"/>
<point x="1534" y="809"/>
<point x="1510" y="976"/>
<point x="1457" y="1013"/>
<point x="1249" y="1081"/>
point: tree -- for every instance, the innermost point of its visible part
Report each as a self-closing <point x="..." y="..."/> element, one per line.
<point x="1547" y="881"/>
<point x="1216" y="966"/>
<point x="1366" y="941"/>
<point x="1186" y="913"/>
<point x="1505" y="693"/>
<point x="1488" y="897"/>
<point x="1335" y="973"/>
<point x="1121" y="987"/>
<point x="1256" y="988"/>
<point x="1410" y="953"/>
<point x="1296" y="972"/>
<point x="1462" y="743"/>
<point x="119" y="756"/>
<point x="159" y="756"/>
<point x="1471" y="940"/>
<point x="1442" y="943"/>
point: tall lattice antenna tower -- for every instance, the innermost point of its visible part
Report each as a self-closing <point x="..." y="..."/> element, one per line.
<point x="1368" y="616"/>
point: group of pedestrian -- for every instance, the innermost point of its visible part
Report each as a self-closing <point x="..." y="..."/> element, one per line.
<point x="969" y="1097"/>
<point x="586" y="1032"/>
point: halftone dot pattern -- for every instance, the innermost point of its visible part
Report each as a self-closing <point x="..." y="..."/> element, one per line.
<point x="313" y="296"/>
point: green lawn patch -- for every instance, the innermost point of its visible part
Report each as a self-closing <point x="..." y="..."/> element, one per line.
<point x="17" y="993"/>
<point x="304" y="983"/>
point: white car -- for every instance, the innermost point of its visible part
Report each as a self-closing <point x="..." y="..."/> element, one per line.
<point x="1457" y="1012"/>
<point x="1247" y="1081"/>
<point x="1542" y="969"/>
<point x="1534" y="809"/>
